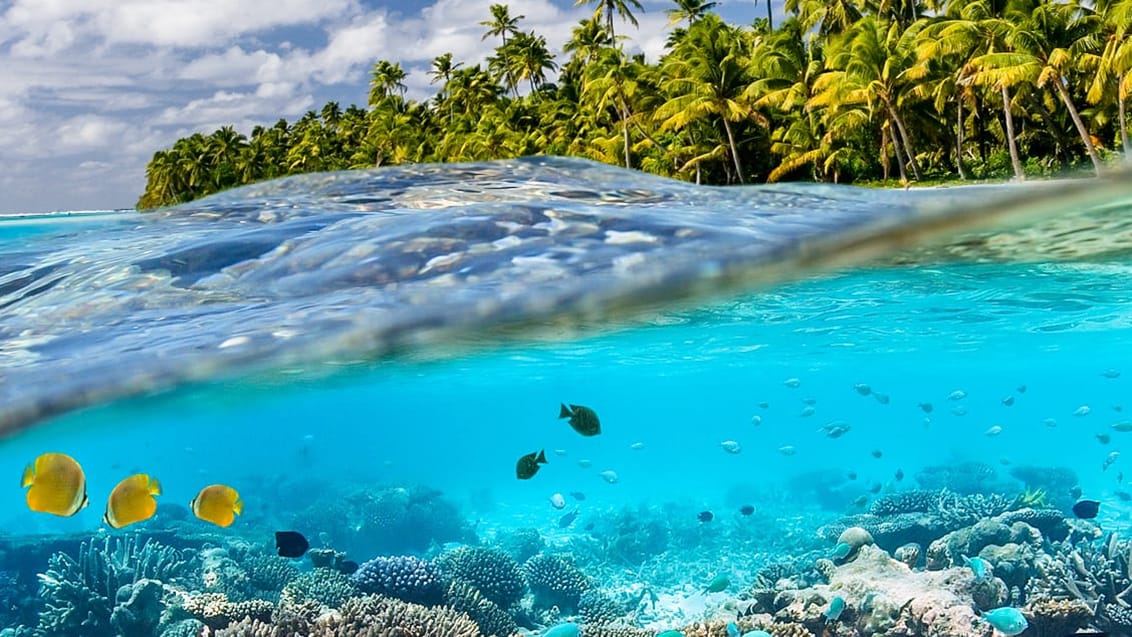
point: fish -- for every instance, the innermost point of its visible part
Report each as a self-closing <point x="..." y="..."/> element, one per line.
<point x="926" y="407"/>
<point x="1083" y="410"/>
<point x="807" y="411"/>
<point x="1021" y="389"/>
<point x="876" y="453"/>
<point x="764" y="405"/>
<point x="57" y="485"/>
<point x="959" y="411"/>
<point x="792" y="382"/>
<point x="863" y="389"/>
<point x="733" y="630"/>
<point x="589" y="526"/>
<point x="218" y="504"/>
<point x="528" y="464"/>
<point x="787" y="450"/>
<point x="1123" y="426"/>
<point x="756" y="420"/>
<point x="746" y="509"/>
<point x="958" y="394"/>
<point x="609" y="476"/>
<point x="568" y="519"/>
<point x="1120" y="477"/>
<point x="978" y="566"/>
<point x="841" y="551"/>
<point x="585" y="463"/>
<point x="578" y="495"/>
<point x="875" y="488"/>
<point x="809" y="400"/>
<point x="1103" y="438"/>
<point x="557" y="501"/>
<point x="852" y="475"/>
<point x="993" y="430"/>
<point x="718" y="583"/>
<point x="835" y="429"/>
<point x="568" y="629"/>
<point x="881" y="398"/>
<point x="1008" y="401"/>
<point x="731" y="447"/>
<point x="132" y="501"/>
<point x="582" y="419"/>
<point x="836" y="607"/>
<point x="1007" y="620"/>
<point x="560" y="452"/>
<point x="1049" y="422"/>
<point x="705" y="516"/>
<point x="1075" y="492"/>
<point x="348" y="567"/>
<point x="637" y="446"/>
<point x="899" y="475"/>
<point x="291" y="544"/>
<point x="1086" y="509"/>
<point x="1123" y="496"/>
<point x="1109" y="459"/>
<point x="861" y="500"/>
<point x="1111" y="373"/>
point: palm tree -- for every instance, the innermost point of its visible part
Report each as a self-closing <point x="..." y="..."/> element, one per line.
<point x="707" y="76"/>
<point x="385" y="78"/>
<point x="1048" y="48"/>
<point x="826" y="16"/>
<point x="502" y="24"/>
<point x="531" y="59"/>
<point x="690" y="10"/>
<point x="1113" y="72"/>
<point x="609" y="7"/>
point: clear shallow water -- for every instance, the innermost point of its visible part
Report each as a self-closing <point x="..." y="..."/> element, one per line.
<point x="305" y="431"/>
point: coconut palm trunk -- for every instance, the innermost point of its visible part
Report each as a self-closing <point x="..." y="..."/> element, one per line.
<point x="734" y="150"/>
<point x="1010" y="143"/>
<point x="625" y="134"/>
<point x="1084" y="132"/>
<point x="899" y="155"/>
<point x="904" y="139"/>
<point x="959" y="142"/>
<point x="1123" y="121"/>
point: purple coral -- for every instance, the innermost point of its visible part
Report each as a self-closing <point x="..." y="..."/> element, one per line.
<point x="404" y="577"/>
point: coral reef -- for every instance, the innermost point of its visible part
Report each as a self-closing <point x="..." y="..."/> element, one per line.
<point x="407" y="578"/>
<point x="327" y="587"/>
<point x="596" y="608"/>
<point x="966" y="478"/>
<point x="400" y="520"/>
<point x="268" y="574"/>
<point x="492" y="571"/>
<point x="555" y="582"/>
<point x="522" y="544"/>
<point x="491" y="619"/>
<point x="215" y="610"/>
<point x="369" y="616"/>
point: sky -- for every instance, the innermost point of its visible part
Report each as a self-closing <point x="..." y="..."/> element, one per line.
<point x="90" y="89"/>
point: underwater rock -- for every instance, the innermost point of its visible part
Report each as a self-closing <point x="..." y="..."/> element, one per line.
<point x="404" y="577"/>
<point x="1050" y="522"/>
<point x="492" y="571"/>
<point x="221" y="574"/>
<point x="949" y="549"/>
<point x="885" y="598"/>
<point x="138" y="609"/>
<point x="1057" y="616"/>
<point x="555" y="582"/>
<point x="909" y="554"/>
<point x="855" y="537"/>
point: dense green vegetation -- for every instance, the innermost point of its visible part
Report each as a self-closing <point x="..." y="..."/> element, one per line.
<point x="841" y="90"/>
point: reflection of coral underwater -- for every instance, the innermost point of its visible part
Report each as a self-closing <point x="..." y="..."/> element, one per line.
<point x="931" y="562"/>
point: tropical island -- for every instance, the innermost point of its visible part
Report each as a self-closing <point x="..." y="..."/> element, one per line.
<point x="843" y="91"/>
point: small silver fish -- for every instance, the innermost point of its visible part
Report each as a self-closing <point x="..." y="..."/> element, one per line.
<point x="1049" y="422"/>
<point x="1109" y="460"/>
<point x="609" y="476"/>
<point x="557" y="501"/>
<point x="1021" y="389"/>
<point x="1123" y="425"/>
<point x="807" y="411"/>
<point x="585" y="464"/>
<point x="764" y="405"/>
<point x="1083" y="410"/>
<point x="730" y="446"/>
<point x="1007" y="401"/>
<point x="637" y="446"/>
<point x="792" y="382"/>
<point x="559" y="452"/>
<point x="809" y="401"/>
<point x="881" y="398"/>
<point x="959" y="411"/>
<point x="756" y="420"/>
<point x="835" y="429"/>
<point x="958" y="394"/>
<point x="1111" y="373"/>
<point x="993" y="430"/>
<point x="863" y="389"/>
<point x="787" y="450"/>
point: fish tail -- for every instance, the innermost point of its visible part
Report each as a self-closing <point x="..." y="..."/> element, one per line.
<point x="238" y="505"/>
<point x="28" y="477"/>
<point x="564" y="412"/>
<point x="541" y="456"/>
<point x="154" y="487"/>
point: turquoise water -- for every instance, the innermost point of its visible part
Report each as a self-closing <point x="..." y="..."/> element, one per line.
<point x="303" y="436"/>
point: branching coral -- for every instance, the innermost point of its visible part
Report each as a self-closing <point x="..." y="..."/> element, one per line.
<point x="492" y="571"/>
<point x="404" y="577"/>
<point x="555" y="582"/>
<point x="491" y="619"/>
<point x="216" y="611"/>
<point x="327" y="587"/>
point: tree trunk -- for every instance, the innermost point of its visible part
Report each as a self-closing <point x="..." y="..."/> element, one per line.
<point x="697" y="173"/>
<point x="1123" y="121"/>
<point x="1019" y="174"/>
<point x="959" y="142"/>
<point x="769" y="17"/>
<point x="886" y="168"/>
<point x="625" y="135"/>
<point x="1068" y="101"/>
<point x="734" y="150"/>
<point x="899" y="155"/>
<point x="904" y="138"/>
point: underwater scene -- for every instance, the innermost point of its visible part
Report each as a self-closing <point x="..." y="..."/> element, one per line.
<point x="547" y="397"/>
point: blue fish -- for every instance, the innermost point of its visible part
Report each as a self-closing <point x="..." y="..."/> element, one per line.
<point x="836" y="607"/>
<point x="978" y="566"/>
<point x="1007" y="620"/>
<point x="732" y="629"/>
<point x="841" y="551"/>
<point x="670" y="633"/>
<point x="569" y="629"/>
<point x="757" y="633"/>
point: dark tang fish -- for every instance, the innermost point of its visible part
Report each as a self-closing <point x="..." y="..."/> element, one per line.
<point x="1086" y="509"/>
<point x="527" y="466"/>
<point x="567" y="519"/>
<point x="582" y="419"/>
<point x="291" y="543"/>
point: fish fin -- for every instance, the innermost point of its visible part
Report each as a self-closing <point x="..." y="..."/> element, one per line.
<point x="86" y="501"/>
<point x="238" y="506"/>
<point x="28" y="478"/>
<point x="541" y="456"/>
<point x="107" y="521"/>
<point x="564" y="412"/>
<point x="154" y="486"/>
<point x="193" y="506"/>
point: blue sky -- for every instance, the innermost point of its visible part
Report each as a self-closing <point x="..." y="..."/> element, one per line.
<point x="89" y="89"/>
